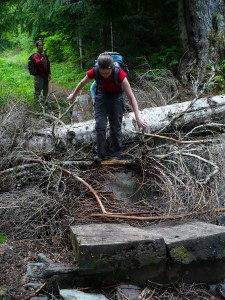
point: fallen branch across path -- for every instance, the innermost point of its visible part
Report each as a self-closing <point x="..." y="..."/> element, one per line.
<point x="155" y="218"/>
<point x="173" y="139"/>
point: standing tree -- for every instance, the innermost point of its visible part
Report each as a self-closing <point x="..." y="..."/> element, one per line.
<point x="202" y="29"/>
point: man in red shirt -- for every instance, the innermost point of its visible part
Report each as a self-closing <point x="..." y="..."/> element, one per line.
<point x="109" y="106"/>
<point x="41" y="80"/>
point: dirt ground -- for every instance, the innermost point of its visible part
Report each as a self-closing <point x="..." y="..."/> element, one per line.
<point x="14" y="257"/>
<point x="59" y="92"/>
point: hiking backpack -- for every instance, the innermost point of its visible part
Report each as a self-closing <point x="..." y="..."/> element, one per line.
<point x="118" y="63"/>
<point x="31" y="64"/>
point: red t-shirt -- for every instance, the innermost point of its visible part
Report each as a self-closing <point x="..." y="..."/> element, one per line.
<point x="108" y="84"/>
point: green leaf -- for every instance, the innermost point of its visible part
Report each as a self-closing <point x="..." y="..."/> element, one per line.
<point x="2" y="238"/>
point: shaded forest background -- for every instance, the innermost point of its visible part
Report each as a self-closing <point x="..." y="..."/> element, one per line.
<point x="143" y="31"/>
<point x="185" y="37"/>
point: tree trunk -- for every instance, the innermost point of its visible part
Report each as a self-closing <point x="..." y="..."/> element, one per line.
<point x="186" y="114"/>
<point x="202" y="28"/>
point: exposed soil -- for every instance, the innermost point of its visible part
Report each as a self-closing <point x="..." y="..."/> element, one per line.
<point x="58" y="91"/>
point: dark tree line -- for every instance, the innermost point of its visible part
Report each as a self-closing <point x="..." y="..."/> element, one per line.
<point x="135" y="28"/>
<point x="160" y="33"/>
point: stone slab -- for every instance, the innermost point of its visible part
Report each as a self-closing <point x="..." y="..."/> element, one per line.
<point x="111" y="247"/>
<point x="193" y="241"/>
<point x="79" y="295"/>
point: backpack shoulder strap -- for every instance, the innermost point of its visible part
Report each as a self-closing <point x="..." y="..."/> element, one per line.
<point x="116" y="70"/>
<point x="97" y="75"/>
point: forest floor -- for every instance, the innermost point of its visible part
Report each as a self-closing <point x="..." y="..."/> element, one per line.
<point x="15" y="255"/>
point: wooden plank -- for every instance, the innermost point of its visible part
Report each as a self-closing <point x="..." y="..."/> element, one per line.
<point x="111" y="247"/>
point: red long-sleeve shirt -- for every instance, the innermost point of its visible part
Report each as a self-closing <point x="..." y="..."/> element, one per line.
<point x="42" y="67"/>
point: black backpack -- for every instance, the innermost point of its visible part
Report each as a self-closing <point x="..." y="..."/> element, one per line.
<point x="118" y="62"/>
<point x="31" y="64"/>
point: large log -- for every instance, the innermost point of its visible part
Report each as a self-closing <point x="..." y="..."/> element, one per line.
<point x="185" y="114"/>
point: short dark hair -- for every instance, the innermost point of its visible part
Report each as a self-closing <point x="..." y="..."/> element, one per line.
<point x="105" y="61"/>
<point x="39" y="41"/>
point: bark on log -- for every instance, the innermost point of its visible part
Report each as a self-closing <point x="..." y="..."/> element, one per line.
<point x="170" y="117"/>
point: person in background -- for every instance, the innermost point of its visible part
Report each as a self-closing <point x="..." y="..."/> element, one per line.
<point x="109" y="107"/>
<point x="41" y="80"/>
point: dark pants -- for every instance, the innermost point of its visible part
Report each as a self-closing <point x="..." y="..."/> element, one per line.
<point x="109" y="107"/>
<point x="40" y="84"/>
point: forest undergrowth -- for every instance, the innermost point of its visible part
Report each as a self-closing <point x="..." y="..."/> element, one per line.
<point x="43" y="193"/>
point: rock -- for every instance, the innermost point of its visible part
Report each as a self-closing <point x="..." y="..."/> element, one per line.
<point x="125" y="183"/>
<point x="33" y="286"/>
<point x="78" y="295"/>
<point x="109" y="253"/>
<point x="43" y="258"/>
<point x="36" y="270"/>
<point x="128" y="291"/>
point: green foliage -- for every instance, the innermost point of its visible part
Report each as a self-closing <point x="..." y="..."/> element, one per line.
<point x="66" y="74"/>
<point x="15" y="81"/>
<point x="136" y="29"/>
<point x="217" y="84"/>
<point x="2" y="238"/>
<point x="19" y="39"/>
<point x="59" y="48"/>
<point x="165" y="58"/>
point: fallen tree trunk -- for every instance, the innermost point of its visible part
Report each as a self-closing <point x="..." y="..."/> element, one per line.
<point x="170" y="117"/>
